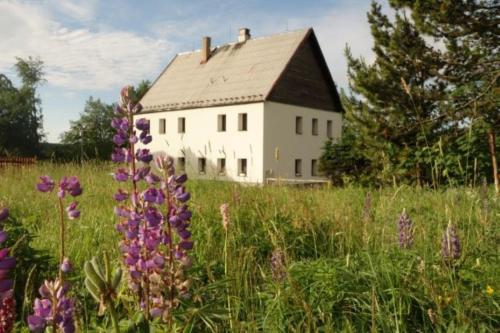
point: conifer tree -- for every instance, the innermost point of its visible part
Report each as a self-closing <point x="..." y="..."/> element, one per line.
<point x="470" y="33"/>
<point x="397" y="100"/>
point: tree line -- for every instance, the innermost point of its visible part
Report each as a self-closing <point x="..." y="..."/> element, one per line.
<point x="426" y="110"/>
<point x="21" y="120"/>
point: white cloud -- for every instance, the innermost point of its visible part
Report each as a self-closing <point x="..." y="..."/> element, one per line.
<point x="79" y="10"/>
<point x="77" y="59"/>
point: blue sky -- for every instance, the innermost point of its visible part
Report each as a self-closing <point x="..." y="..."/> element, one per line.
<point x="92" y="48"/>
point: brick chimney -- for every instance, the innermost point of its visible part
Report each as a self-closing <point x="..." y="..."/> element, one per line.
<point x="244" y="35"/>
<point x="205" y="49"/>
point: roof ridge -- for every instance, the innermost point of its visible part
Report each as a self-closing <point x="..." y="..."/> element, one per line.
<point x="251" y="39"/>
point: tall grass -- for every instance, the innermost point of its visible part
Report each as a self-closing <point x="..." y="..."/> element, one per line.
<point x="338" y="279"/>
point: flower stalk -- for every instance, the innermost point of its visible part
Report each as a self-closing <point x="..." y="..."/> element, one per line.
<point x="54" y="309"/>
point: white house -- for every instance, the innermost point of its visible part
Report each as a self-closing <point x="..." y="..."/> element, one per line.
<point x="247" y="111"/>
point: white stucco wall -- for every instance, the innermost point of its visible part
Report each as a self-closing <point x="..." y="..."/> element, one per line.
<point x="202" y="139"/>
<point x="279" y="133"/>
<point x="271" y="126"/>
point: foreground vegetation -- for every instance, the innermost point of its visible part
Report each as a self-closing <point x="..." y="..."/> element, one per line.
<point x="342" y="268"/>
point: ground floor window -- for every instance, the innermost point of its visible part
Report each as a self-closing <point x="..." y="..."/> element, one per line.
<point x="242" y="167"/>
<point x="314" y="167"/>
<point x="181" y="163"/>
<point x="298" y="168"/>
<point x="202" y="165"/>
<point x="221" y="166"/>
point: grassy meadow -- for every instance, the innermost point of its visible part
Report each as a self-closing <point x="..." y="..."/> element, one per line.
<point x="343" y="270"/>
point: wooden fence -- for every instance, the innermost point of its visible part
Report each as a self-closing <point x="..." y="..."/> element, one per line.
<point x="16" y="161"/>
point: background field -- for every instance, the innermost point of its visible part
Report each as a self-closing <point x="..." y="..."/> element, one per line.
<point x="345" y="269"/>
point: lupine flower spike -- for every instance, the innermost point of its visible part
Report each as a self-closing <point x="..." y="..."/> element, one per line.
<point x="224" y="211"/>
<point x="153" y="255"/>
<point x="405" y="231"/>
<point x="7" y="263"/>
<point x="55" y="309"/>
<point x="450" y="245"/>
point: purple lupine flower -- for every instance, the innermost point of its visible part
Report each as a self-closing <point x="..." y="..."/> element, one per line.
<point x="145" y="137"/>
<point x="450" y="245"/>
<point x="143" y="155"/>
<point x="120" y="124"/>
<point x="133" y="139"/>
<point x="72" y="186"/>
<point x="73" y="213"/>
<point x="125" y="95"/>
<point x="46" y="184"/>
<point x="54" y="308"/>
<point x="66" y="266"/>
<point x="4" y="213"/>
<point x="121" y="175"/>
<point x="7" y="302"/>
<point x="142" y="124"/>
<point x="405" y="231"/>
<point x="121" y="195"/>
<point x="118" y="111"/>
<point x="119" y="155"/>
<point x="151" y="178"/>
<point x="141" y="173"/>
<point x="120" y="138"/>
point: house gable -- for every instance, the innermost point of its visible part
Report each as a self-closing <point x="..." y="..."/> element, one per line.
<point x="306" y="80"/>
<point x="287" y="68"/>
